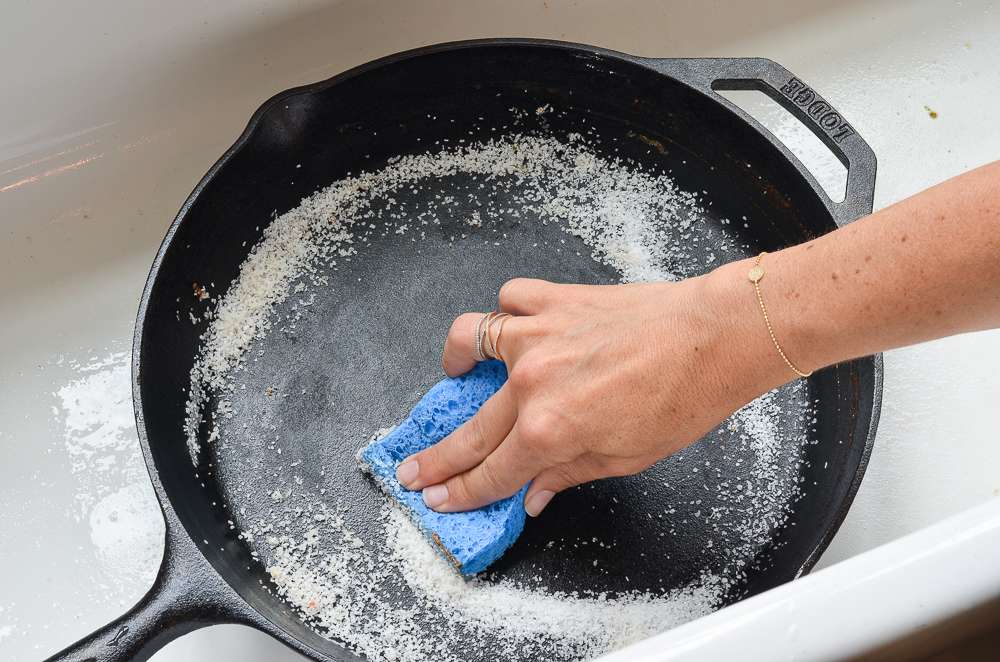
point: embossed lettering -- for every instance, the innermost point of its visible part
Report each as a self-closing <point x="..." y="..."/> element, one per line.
<point x="824" y="115"/>
<point x="817" y="108"/>
<point x="841" y="133"/>
<point x="791" y="87"/>
<point x="830" y="121"/>
<point x="805" y="97"/>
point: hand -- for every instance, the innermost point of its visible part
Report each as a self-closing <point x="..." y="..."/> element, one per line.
<point x="606" y="380"/>
<point x="603" y="381"/>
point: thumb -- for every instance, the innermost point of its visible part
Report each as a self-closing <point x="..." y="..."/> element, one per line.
<point x="556" y="479"/>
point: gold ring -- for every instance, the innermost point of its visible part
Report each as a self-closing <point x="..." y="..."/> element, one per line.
<point x="496" y="343"/>
<point x="485" y="342"/>
<point x="479" y="335"/>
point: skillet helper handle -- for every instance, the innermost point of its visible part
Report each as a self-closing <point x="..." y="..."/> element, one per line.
<point x="712" y="75"/>
<point x="183" y="598"/>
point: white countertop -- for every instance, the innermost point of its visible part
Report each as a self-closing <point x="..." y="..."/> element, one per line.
<point x="111" y="113"/>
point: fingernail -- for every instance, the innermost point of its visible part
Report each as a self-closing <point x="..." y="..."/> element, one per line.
<point x="536" y="502"/>
<point x="407" y="472"/>
<point x="435" y="495"/>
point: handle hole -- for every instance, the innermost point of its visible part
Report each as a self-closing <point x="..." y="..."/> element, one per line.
<point x="800" y="141"/>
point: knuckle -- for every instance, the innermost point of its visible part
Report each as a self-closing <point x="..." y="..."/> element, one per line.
<point x="538" y="430"/>
<point x="474" y="435"/>
<point x="507" y="294"/>
<point x="459" y="492"/>
<point x="492" y="480"/>
<point x="551" y="435"/>
<point x="514" y="289"/>
<point x="526" y="374"/>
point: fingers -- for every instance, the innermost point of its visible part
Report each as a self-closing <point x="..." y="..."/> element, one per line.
<point x="519" y="297"/>
<point x="460" y="348"/>
<point x="464" y="448"/>
<point x="526" y="296"/>
<point x="556" y="479"/>
<point x="505" y="471"/>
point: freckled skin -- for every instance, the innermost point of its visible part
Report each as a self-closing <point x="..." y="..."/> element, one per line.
<point x="931" y="269"/>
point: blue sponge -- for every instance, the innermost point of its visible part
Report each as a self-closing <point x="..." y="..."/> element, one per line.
<point x="470" y="540"/>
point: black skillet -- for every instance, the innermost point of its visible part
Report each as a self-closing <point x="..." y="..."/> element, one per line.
<point x="662" y="113"/>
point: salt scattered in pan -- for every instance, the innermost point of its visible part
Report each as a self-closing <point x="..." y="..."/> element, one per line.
<point x="449" y="617"/>
<point x="625" y="215"/>
<point x="636" y="222"/>
<point x="398" y="594"/>
<point x="579" y="627"/>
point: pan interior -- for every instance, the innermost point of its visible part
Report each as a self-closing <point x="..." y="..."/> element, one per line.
<point x="349" y="357"/>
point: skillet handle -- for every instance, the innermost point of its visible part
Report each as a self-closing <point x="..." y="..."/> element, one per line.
<point x="186" y="595"/>
<point x="711" y="75"/>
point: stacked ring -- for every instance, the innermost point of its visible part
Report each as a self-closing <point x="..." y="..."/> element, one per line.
<point x="488" y="345"/>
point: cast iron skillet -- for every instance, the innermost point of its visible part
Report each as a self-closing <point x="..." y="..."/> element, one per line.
<point x="664" y="114"/>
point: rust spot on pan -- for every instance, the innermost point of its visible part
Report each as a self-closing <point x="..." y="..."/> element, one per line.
<point x="652" y="142"/>
<point x="200" y="292"/>
<point x="447" y="553"/>
<point x="775" y="197"/>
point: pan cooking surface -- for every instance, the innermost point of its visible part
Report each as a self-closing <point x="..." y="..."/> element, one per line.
<point x="453" y="172"/>
<point x="358" y="342"/>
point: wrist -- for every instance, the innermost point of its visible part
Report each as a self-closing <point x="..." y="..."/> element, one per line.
<point x="754" y="365"/>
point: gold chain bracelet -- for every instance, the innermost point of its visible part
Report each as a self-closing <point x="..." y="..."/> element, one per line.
<point x="756" y="275"/>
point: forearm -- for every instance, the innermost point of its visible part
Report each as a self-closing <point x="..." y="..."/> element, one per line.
<point x="924" y="268"/>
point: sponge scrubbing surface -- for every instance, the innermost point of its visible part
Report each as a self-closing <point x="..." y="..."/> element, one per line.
<point x="471" y="540"/>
